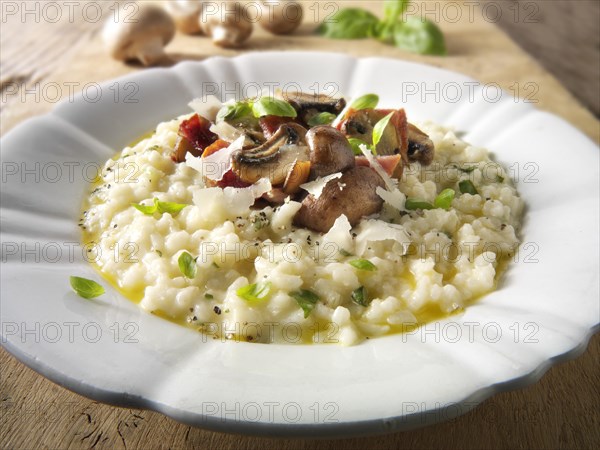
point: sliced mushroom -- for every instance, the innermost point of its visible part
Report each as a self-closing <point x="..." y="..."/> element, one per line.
<point x="420" y="147"/>
<point x="308" y="105"/>
<point x="330" y="151"/>
<point x="275" y="158"/>
<point x="353" y="194"/>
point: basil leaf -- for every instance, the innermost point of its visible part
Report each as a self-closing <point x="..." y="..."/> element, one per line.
<point x="349" y="23"/>
<point x="323" y="118"/>
<point x="444" y="199"/>
<point x="363" y="264"/>
<point x="345" y="252"/>
<point x="169" y="207"/>
<point x="86" y="288"/>
<point x="499" y="178"/>
<point x="255" y="292"/>
<point x="419" y="36"/>
<point x="269" y="106"/>
<point x="384" y="32"/>
<point x="414" y="203"/>
<point x="148" y="210"/>
<point x="306" y="299"/>
<point x="379" y="128"/>
<point x="467" y="187"/>
<point x="234" y="111"/>
<point x="359" y="296"/>
<point x="367" y="101"/>
<point x="393" y="9"/>
<point x="355" y="144"/>
<point x="187" y="265"/>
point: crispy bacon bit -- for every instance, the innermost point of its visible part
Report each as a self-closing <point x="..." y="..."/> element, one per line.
<point x="196" y="129"/>
<point x="270" y="124"/>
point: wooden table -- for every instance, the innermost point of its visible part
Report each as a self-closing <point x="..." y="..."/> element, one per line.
<point x="560" y="411"/>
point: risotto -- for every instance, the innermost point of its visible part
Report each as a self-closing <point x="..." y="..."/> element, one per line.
<point x="301" y="220"/>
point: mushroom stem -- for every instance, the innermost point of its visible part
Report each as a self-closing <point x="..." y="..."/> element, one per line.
<point x="150" y="52"/>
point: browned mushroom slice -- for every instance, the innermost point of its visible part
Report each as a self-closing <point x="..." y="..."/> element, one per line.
<point x="420" y="147"/>
<point x="308" y="105"/>
<point x="353" y="194"/>
<point x="330" y="151"/>
<point x="273" y="159"/>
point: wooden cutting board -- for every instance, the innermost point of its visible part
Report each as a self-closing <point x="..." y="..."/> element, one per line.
<point x="562" y="410"/>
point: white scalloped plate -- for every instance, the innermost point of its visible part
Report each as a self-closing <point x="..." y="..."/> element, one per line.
<point x="385" y="384"/>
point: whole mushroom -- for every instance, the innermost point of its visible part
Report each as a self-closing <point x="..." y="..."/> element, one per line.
<point x="228" y="26"/>
<point x="186" y="14"/>
<point x="280" y="16"/>
<point x="140" y="37"/>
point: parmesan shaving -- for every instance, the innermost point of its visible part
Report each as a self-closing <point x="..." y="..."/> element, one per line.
<point x="207" y="108"/>
<point x="216" y="165"/>
<point x="394" y="198"/>
<point x="373" y="230"/>
<point x="315" y="188"/>
<point x="389" y="182"/>
<point x="225" y="131"/>
<point x="339" y="234"/>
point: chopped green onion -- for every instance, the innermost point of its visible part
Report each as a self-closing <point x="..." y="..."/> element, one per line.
<point x="367" y="101"/>
<point x="363" y="264"/>
<point x="269" y="106"/>
<point x="414" y="203"/>
<point x="208" y="296"/>
<point x="323" y="118"/>
<point x="255" y="292"/>
<point x="86" y="288"/>
<point x="444" y="199"/>
<point x="359" y="296"/>
<point x="467" y="187"/>
<point x="187" y="265"/>
<point x="306" y="299"/>
<point x="379" y="128"/>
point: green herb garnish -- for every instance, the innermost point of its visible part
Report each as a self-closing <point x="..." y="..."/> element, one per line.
<point x="367" y="101"/>
<point x="234" y="111"/>
<point x="160" y="207"/>
<point x="444" y="199"/>
<point x="306" y="299"/>
<point x="363" y="264"/>
<point x="349" y="23"/>
<point x="269" y="106"/>
<point x="86" y="288"/>
<point x="355" y="144"/>
<point x="414" y="203"/>
<point x="378" y="130"/>
<point x="187" y="265"/>
<point x="209" y="296"/>
<point x="499" y="178"/>
<point x="255" y="292"/>
<point x="419" y="35"/>
<point x="345" y="253"/>
<point x="323" y="118"/>
<point x="359" y="296"/>
<point x="467" y="187"/>
<point x="467" y="169"/>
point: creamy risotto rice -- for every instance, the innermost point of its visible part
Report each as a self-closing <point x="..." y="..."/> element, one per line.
<point x="393" y="269"/>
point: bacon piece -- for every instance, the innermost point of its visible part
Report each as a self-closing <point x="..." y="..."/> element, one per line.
<point x="196" y="129"/>
<point x="270" y="124"/>
<point x="389" y="163"/>
<point x="215" y="147"/>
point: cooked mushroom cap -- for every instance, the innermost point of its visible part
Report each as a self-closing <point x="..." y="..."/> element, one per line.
<point x="275" y="158"/>
<point x="141" y="37"/>
<point x="307" y="105"/>
<point x="353" y="194"/>
<point x="420" y="147"/>
<point x="186" y="14"/>
<point x="228" y="26"/>
<point x="280" y="16"/>
<point x="330" y="151"/>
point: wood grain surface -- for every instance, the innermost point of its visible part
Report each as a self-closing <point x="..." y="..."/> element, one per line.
<point x="560" y="411"/>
